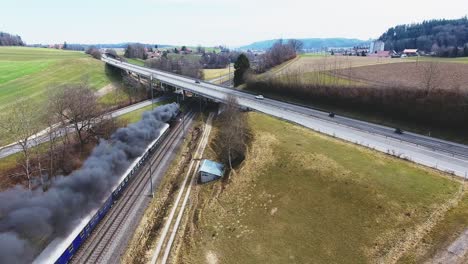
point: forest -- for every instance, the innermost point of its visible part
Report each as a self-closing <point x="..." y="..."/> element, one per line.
<point x="444" y="37"/>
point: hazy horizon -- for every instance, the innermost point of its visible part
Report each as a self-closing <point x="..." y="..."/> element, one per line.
<point x="210" y="22"/>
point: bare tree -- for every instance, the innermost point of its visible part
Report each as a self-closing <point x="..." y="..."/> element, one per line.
<point x="94" y="52"/>
<point x="23" y="123"/>
<point x="55" y="131"/>
<point x="431" y="76"/>
<point x="136" y="50"/>
<point x="76" y="105"/>
<point x="297" y="45"/>
<point x="179" y="65"/>
<point x="231" y="139"/>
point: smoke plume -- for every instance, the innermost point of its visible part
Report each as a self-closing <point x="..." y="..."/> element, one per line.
<point x="27" y="219"/>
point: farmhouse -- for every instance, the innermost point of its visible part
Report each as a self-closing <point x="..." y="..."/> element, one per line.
<point x="210" y="171"/>
<point x="381" y="54"/>
<point x="410" y="52"/>
<point x="152" y="55"/>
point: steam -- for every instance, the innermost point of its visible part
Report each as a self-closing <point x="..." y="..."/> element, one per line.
<point x="28" y="219"/>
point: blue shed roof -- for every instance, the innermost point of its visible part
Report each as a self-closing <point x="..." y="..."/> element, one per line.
<point x="212" y="167"/>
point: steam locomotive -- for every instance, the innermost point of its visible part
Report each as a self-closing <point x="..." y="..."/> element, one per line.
<point x="62" y="250"/>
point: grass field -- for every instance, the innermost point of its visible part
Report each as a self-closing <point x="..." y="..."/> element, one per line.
<point x="42" y="68"/>
<point x="27" y="73"/>
<point x="324" y="54"/>
<point x="301" y="197"/>
<point x="209" y="74"/>
<point x="189" y="57"/>
<point x="138" y="62"/>
<point x="441" y="236"/>
<point x="455" y="60"/>
<point x="207" y="49"/>
<point x="317" y="78"/>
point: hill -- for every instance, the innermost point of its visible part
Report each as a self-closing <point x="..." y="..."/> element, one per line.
<point x="82" y="47"/>
<point x="440" y="36"/>
<point x="309" y="43"/>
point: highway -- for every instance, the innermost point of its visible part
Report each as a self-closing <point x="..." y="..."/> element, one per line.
<point x="440" y="154"/>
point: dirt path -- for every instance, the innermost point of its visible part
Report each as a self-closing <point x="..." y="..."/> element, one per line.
<point x="105" y="90"/>
<point x="456" y="253"/>
<point x="409" y="242"/>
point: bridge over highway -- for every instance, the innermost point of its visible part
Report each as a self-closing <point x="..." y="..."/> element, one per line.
<point x="440" y="154"/>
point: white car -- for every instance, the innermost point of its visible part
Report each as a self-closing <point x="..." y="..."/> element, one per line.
<point x="259" y="97"/>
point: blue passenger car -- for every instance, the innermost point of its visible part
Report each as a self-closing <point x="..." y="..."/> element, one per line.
<point x="73" y="247"/>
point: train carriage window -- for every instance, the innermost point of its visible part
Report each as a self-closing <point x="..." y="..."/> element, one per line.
<point x="82" y="233"/>
<point x="70" y="248"/>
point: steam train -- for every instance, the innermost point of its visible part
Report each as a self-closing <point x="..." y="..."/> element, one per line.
<point x="62" y="250"/>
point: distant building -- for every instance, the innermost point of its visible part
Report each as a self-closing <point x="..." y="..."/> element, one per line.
<point x="154" y="54"/>
<point x="410" y="52"/>
<point x="210" y="171"/>
<point x="376" y="46"/>
<point x="381" y="54"/>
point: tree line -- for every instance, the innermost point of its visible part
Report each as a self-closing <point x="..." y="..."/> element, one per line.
<point x="212" y="60"/>
<point x="277" y="54"/>
<point x="76" y="122"/>
<point x="177" y="65"/>
<point x="446" y="38"/>
<point x="10" y="40"/>
<point x="136" y="50"/>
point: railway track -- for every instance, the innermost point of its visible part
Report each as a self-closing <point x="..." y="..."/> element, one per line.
<point x="98" y="243"/>
<point x="171" y="226"/>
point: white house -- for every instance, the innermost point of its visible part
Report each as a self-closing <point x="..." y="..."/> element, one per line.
<point x="376" y="46"/>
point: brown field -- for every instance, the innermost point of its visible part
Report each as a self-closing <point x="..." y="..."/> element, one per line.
<point x="328" y="63"/>
<point x="411" y="74"/>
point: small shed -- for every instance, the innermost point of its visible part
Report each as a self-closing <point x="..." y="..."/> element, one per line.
<point x="210" y="171"/>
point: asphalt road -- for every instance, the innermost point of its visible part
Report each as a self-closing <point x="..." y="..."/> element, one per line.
<point x="440" y="154"/>
<point x="43" y="137"/>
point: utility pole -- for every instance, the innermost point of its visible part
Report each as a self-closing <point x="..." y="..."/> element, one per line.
<point x="150" y="171"/>
<point x="183" y="123"/>
<point x="151" y="179"/>
<point x="152" y="94"/>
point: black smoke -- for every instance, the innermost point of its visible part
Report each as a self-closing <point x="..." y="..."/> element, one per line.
<point x="29" y="218"/>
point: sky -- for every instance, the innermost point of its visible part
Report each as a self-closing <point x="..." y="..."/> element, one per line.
<point x="212" y="22"/>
